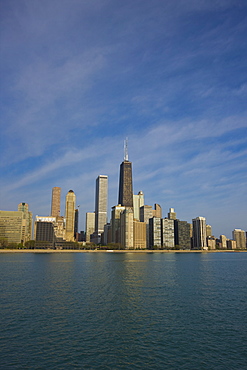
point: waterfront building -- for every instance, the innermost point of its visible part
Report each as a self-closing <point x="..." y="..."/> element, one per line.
<point x="208" y="230"/>
<point x="182" y="234"/>
<point x="211" y="242"/>
<point x="126" y="228"/>
<point x="146" y="212"/>
<point x="101" y="196"/>
<point x="115" y="222"/>
<point x="90" y="225"/>
<point x="138" y="201"/>
<point x="231" y="244"/>
<point x="107" y="238"/>
<point x="199" y="233"/>
<point x="27" y="223"/>
<point x="55" y="201"/>
<point x="125" y="195"/>
<point x="240" y="237"/>
<point x="76" y="223"/>
<point x="12" y="224"/>
<point x="139" y="230"/>
<point x="157" y="212"/>
<point x="70" y="216"/>
<point x="168" y="238"/>
<point x="172" y="214"/>
<point x="44" y="232"/>
<point x="223" y="240"/>
<point x="155" y="233"/>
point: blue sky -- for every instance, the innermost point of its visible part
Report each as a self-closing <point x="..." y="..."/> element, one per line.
<point x="78" y="76"/>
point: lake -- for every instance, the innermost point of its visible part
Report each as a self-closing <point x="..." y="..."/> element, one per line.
<point x="123" y="310"/>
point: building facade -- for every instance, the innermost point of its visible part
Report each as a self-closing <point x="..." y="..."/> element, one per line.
<point x="168" y="240"/>
<point x="90" y="225"/>
<point x="126" y="228"/>
<point x="139" y="230"/>
<point x="182" y="234"/>
<point x="138" y="201"/>
<point x="70" y="216"/>
<point x="240" y="237"/>
<point x="125" y="195"/>
<point x="101" y="199"/>
<point x="155" y="232"/>
<point x="27" y="223"/>
<point x="55" y="201"/>
<point x="199" y="239"/>
<point x="11" y="226"/>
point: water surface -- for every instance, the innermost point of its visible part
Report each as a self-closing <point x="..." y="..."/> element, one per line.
<point x="123" y="311"/>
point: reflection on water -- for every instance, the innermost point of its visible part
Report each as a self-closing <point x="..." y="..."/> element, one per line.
<point x="123" y="310"/>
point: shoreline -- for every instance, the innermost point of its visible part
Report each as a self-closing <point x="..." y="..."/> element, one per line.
<point x="118" y="251"/>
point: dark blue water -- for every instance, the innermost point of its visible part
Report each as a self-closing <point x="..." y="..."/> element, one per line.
<point x="123" y="311"/>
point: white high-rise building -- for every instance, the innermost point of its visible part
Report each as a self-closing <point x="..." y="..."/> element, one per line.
<point x="168" y="238"/>
<point x="138" y="201"/>
<point x="199" y="233"/>
<point x="70" y="216"/>
<point x="240" y="237"/>
<point x="101" y="196"/>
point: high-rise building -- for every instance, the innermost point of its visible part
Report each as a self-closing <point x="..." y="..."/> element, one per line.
<point x="101" y="196"/>
<point x="125" y="195"/>
<point x="223" y="240"/>
<point x="115" y="223"/>
<point x="140" y="239"/>
<point x="172" y="214"/>
<point x="146" y="212"/>
<point x="55" y="201"/>
<point x="90" y="225"/>
<point x="209" y="230"/>
<point x="126" y="228"/>
<point x="157" y="212"/>
<point x="211" y="242"/>
<point x="11" y="226"/>
<point x="138" y="201"/>
<point x="182" y="234"/>
<point x="240" y="237"/>
<point x="168" y="240"/>
<point x="70" y="216"/>
<point x="28" y="223"/>
<point x="155" y="238"/>
<point x="231" y="244"/>
<point x="76" y="223"/>
<point x="199" y="240"/>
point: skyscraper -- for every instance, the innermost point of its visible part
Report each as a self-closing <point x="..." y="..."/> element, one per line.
<point x="90" y="225"/>
<point x="168" y="233"/>
<point x="125" y="195"/>
<point x="101" y="196"/>
<point x="182" y="234"/>
<point x="138" y="201"/>
<point x="55" y="201"/>
<point x="199" y="240"/>
<point x="240" y="237"/>
<point x="28" y="221"/>
<point x="70" y="216"/>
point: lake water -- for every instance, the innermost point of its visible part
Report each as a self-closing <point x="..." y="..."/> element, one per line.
<point x="123" y="311"/>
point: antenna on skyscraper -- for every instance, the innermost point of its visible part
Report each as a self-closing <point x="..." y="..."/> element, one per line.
<point x="126" y="157"/>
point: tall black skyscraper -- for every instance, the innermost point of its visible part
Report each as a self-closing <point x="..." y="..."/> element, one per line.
<point x="125" y="195"/>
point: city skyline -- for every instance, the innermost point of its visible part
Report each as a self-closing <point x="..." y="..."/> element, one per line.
<point x="77" y="78"/>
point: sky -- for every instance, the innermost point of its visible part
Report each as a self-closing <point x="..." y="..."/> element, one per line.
<point x="79" y="76"/>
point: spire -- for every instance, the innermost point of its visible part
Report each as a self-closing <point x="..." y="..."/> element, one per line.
<point x="126" y="156"/>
